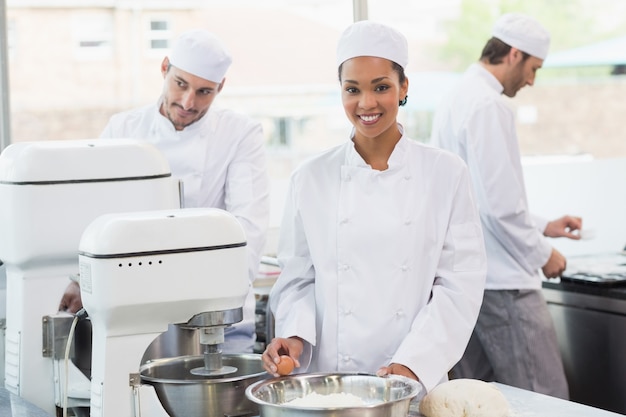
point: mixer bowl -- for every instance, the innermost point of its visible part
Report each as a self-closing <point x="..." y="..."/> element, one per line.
<point x="184" y="394"/>
<point x="383" y="396"/>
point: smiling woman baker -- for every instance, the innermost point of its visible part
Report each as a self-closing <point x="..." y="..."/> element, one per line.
<point x="381" y="250"/>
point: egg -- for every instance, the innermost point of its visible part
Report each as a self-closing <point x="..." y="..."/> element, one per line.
<point x="285" y="365"/>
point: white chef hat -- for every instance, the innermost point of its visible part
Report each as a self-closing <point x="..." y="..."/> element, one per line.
<point x="524" y="33"/>
<point x="367" y="38"/>
<point x="202" y="54"/>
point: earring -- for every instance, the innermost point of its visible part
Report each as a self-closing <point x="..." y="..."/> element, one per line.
<point x="403" y="102"/>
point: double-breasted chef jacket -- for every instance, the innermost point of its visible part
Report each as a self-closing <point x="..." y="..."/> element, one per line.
<point x="380" y="267"/>
<point x="479" y="125"/>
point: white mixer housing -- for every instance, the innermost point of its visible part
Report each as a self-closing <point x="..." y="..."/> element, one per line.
<point x="140" y="272"/>
<point x="49" y="192"/>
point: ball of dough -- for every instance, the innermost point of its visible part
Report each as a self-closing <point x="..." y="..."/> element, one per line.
<point x="464" y="398"/>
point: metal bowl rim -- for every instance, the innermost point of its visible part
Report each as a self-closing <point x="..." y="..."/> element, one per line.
<point x="166" y="361"/>
<point x="415" y="385"/>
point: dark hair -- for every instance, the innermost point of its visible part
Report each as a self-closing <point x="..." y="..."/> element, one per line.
<point x="396" y="67"/>
<point x="495" y="50"/>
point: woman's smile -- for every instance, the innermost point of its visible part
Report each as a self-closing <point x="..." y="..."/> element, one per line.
<point x="370" y="118"/>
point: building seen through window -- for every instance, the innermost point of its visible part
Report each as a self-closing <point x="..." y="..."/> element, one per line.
<point x="98" y="58"/>
<point x="159" y="35"/>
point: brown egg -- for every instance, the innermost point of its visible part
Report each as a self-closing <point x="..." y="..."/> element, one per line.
<point x="285" y="366"/>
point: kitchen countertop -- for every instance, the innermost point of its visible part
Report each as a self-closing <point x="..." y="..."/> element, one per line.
<point x="530" y="404"/>
<point x="523" y="404"/>
<point x="617" y="292"/>
<point x="598" y="263"/>
<point x="14" y="406"/>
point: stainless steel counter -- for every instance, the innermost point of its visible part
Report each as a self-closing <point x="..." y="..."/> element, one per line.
<point x="530" y="404"/>
<point x="523" y="404"/>
<point x="590" y="323"/>
<point x="14" y="406"/>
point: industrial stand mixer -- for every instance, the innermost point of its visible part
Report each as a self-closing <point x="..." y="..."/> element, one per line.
<point x="49" y="192"/>
<point x="140" y="272"/>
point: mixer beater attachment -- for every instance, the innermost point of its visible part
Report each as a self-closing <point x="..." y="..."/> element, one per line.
<point x="210" y="339"/>
<point x="211" y="327"/>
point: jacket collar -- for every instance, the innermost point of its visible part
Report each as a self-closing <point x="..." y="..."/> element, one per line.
<point x="480" y="71"/>
<point x="396" y="159"/>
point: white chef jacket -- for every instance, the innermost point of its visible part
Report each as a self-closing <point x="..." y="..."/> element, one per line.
<point x="475" y="122"/>
<point x="221" y="161"/>
<point x="380" y="266"/>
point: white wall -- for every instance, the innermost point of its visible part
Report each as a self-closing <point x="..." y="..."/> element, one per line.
<point x="278" y="192"/>
<point x="592" y="189"/>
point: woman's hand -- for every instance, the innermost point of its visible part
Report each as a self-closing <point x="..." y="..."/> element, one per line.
<point x="397" y="369"/>
<point x="291" y="347"/>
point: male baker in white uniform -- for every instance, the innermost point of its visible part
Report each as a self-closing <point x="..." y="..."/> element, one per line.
<point x="218" y="154"/>
<point x="514" y="341"/>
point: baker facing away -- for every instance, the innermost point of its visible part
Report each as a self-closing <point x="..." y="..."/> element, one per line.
<point x="514" y="341"/>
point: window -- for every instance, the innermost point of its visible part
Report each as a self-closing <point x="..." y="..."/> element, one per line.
<point x="159" y="35"/>
<point x="558" y="116"/>
<point x="284" y="64"/>
<point x="11" y="37"/>
<point x="92" y="34"/>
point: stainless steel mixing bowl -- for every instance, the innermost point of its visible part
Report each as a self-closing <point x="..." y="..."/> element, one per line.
<point x="184" y="394"/>
<point x="383" y="396"/>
